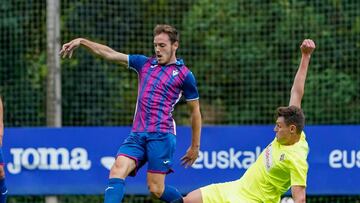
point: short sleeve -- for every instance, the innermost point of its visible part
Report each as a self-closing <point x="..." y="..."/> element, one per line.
<point x="190" y="88"/>
<point x="136" y="62"/>
<point x="298" y="172"/>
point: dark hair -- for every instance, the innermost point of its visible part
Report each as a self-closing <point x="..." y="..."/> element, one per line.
<point x="293" y="116"/>
<point x="169" y="30"/>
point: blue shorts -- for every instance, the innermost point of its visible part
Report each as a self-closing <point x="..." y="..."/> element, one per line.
<point x="153" y="147"/>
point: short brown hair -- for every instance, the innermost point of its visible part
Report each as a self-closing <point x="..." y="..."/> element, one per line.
<point x="293" y="116"/>
<point x="169" y="30"/>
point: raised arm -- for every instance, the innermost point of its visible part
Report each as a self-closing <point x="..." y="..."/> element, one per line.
<point x="96" y="48"/>
<point x="297" y="90"/>
<point x="193" y="151"/>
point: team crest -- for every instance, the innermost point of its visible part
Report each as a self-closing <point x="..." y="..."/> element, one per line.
<point x="282" y="157"/>
<point x="175" y="72"/>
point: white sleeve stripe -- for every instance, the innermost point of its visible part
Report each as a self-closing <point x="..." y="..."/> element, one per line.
<point x="129" y="67"/>
<point x="197" y="98"/>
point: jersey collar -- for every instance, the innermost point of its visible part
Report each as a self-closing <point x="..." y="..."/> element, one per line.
<point x="179" y="62"/>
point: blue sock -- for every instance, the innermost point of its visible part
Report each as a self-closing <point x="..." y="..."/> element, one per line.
<point x="170" y="194"/>
<point x="114" y="193"/>
<point x="3" y="191"/>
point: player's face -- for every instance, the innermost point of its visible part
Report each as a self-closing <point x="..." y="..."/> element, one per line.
<point x="164" y="50"/>
<point x="283" y="133"/>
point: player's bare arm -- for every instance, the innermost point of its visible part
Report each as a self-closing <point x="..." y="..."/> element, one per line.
<point x="297" y="90"/>
<point x="192" y="153"/>
<point x="298" y="194"/>
<point x="96" y="48"/>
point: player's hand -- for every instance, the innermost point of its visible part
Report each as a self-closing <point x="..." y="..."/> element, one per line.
<point x="68" y="48"/>
<point x="307" y="46"/>
<point x="190" y="157"/>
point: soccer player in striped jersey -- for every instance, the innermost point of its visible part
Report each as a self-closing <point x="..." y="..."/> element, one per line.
<point x="3" y="189"/>
<point x="282" y="164"/>
<point x="163" y="79"/>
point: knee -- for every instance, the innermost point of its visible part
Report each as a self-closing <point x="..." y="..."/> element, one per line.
<point x="156" y="190"/>
<point x="121" y="168"/>
<point x="117" y="170"/>
<point x="2" y="173"/>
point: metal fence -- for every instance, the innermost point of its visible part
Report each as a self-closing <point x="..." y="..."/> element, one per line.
<point x="244" y="55"/>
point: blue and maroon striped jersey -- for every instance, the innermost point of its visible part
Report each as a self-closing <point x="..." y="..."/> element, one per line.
<point x="159" y="89"/>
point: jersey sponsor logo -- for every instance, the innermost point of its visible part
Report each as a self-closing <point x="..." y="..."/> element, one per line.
<point x="344" y="159"/>
<point x="226" y="159"/>
<point x="48" y="159"/>
<point x="268" y="157"/>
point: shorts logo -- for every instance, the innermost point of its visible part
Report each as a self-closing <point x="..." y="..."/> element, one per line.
<point x="166" y="162"/>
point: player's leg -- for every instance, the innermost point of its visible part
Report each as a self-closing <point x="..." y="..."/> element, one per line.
<point x="122" y="167"/>
<point x="156" y="184"/>
<point x="130" y="158"/>
<point x="160" y="151"/>
<point x="119" y="171"/>
<point x="214" y="193"/>
<point x="158" y="189"/>
<point x="207" y="194"/>
<point x="3" y="189"/>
